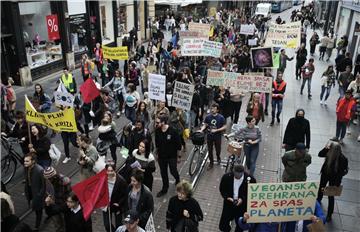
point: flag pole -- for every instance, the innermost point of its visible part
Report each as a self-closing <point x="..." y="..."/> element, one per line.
<point x="110" y="223"/>
<point x="28" y="123"/>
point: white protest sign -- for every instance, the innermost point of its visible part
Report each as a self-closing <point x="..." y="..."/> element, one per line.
<point x="157" y="87"/>
<point x="252" y="42"/>
<point x="284" y="35"/>
<point x="150" y="226"/>
<point x="169" y="99"/>
<point x="202" y="28"/>
<point x="211" y="48"/>
<point x="63" y="97"/>
<point x="182" y="96"/>
<point x="192" y="47"/>
<point x="247" y="29"/>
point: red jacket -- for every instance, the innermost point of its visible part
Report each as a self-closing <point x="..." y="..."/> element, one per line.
<point x="344" y="109"/>
<point x="100" y="54"/>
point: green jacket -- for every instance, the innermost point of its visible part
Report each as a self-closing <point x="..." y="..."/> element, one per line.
<point x="295" y="167"/>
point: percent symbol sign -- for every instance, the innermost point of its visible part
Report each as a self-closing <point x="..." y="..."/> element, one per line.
<point x="51" y="23"/>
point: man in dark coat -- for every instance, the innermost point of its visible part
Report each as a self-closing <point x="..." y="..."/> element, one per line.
<point x="301" y="55"/>
<point x="235" y="202"/>
<point x="34" y="186"/>
<point x="297" y="130"/>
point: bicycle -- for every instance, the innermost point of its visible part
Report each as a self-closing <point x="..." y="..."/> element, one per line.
<point x="198" y="152"/>
<point x="236" y="151"/>
<point x="10" y="161"/>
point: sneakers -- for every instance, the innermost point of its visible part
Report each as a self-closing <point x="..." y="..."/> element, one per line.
<point x="66" y="160"/>
<point x="325" y="103"/>
<point x="118" y="114"/>
<point x="210" y="166"/>
<point x="321" y="102"/>
<point x="348" y="132"/>
<point x="278" y="119"/>
<point x="161" y="193"/>
<point x="272" y="122"/>
<point x="354" y="122"/>
<point x="309" y="96"/>
<point x="341" y="142"/>
<point x="301" y="92"/>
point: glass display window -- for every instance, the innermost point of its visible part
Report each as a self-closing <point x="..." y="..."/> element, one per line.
<point x="106" y="22"/>
<point x="40" y="50"/>
<point x="78" y="33"/>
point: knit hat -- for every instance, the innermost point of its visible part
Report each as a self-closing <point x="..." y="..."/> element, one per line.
<point x="49" y="172"/>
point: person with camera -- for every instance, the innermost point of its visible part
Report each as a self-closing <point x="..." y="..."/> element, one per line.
<point x="233" y="188"/>
<point x="87" y="157"/>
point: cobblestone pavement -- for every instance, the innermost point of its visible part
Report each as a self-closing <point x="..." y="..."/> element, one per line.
<point x="268" y="168"/>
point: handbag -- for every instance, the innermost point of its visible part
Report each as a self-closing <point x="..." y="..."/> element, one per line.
<point x="55" y="154"/>
<point x="317" y="226"/>
<point x="333" y="190"/>
<point x="99" y="164"/>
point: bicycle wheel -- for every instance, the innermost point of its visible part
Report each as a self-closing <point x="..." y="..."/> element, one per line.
<point x="8" y="168"/>
<point x="194" y="157"/>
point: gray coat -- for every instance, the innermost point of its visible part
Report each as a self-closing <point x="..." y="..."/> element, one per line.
<point x="35" y="192"/>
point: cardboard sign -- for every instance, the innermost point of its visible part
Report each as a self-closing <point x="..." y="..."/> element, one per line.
<point x="281" y="202"/>
<point x="52" y="27"/>
<point x="252" y="42"/>
<point x="262" y="57"/>
<point x="202" y="28"/>
<point x="211" y="48"/>
<point x="247" y="29"/>
<point x="64" y="99"/>
<point x="252" y="82"/>
<point x="58" y="121"/>
<point x="182" y="96"/>
<point x="157" y="84"/>
<point x="192" y="47"/>
<point x="190" y="35"/>
<point x="115" y="53"/>
<point x="284" y="35"/>
<point x="150" y="226"/>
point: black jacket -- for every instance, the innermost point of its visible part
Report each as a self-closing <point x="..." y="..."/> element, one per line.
<point x="41" y="146"/>
<point x="119" y="195"/>
<point x="168" y="143"/>
<point x="226" y="190"/>
<point x="75" y="222"/>
<point x="296" y="132"/>
<point x="176" y="208"/>
<point x="35" y="193"/>
<point x="145" y="204"/>
<point x="336" y="173"/>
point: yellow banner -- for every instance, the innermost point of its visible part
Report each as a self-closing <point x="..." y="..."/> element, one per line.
<point x="58" y="121"/>
<point x="115" y="53"/>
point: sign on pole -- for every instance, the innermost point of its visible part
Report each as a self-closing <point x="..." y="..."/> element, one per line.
<point x="284" y="35"/>
<point x="202" y="28"/>
<point x="192" y="47"/>
<point x="281" y="202"/>
<point x="182" y="96"/>
<point x="115" y="53"/>
<point x="211" y="48"/>
<point x="150" y="226"/>
<point x="247" y="29"/>
<point x="157" y="87"/>
<point x="252" y="82"/>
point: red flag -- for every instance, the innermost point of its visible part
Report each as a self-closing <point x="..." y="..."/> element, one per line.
<point x="89" y="91"/>
<point x="93" y="193"/>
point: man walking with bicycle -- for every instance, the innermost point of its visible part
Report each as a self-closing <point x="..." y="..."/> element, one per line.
<point x="215" y="123"/>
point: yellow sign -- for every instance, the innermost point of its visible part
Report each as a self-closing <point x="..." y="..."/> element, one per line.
<point x="115" y="53"/>
<point x="58" y="121"/>
<point x="281" y="202"/>
<point x="212" y="11"/>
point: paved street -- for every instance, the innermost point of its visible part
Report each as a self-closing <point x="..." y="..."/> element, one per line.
<point x="269" y="167"/>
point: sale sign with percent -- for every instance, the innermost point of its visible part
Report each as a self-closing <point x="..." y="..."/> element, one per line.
<point x="52" y="27"/>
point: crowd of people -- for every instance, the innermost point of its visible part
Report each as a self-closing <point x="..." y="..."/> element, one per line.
<point x="155" y="131"/>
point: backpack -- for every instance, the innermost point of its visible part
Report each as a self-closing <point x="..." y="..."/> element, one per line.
<point x="10" y="94"/>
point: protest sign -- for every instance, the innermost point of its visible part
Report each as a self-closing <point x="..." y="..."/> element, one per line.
<point x="247" y="29"/>
<point x="58" y="121"/>
<point x="252" y="82"/>
<point x="280" y="202"/>
<point x="284" y="35"/>
<point x="64" y="99"/>
<point x="115" y="53"/>
<point x="191" y="35"/>
<point x="157" y="87"/>
<point x="211" y="48"/>
<point x="276" y="59"/>
<point x="252" y="42"/>
<point x="262" y="57"/>
<point x="182" y="96"/>
<point x="150" y="226"/>
<point x="192" y="47"/>
<point x="202" y="28"/>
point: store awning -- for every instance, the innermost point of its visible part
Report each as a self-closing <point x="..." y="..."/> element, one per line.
<point x="177" y="2"/>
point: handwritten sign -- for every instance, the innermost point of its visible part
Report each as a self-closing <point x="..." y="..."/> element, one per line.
<point x="192" y="47"/>
<point x="157" y="87"/>
<point x="211" y="48"/>
<point x="150" y="226"/>
<point x="202" y="28"/>
<point x="190" y="35"/>
<point x="115" y="53"/>
<point x="182" y="96"/>
<point x="252" y="82"/>
<point x="247" y="29"/>
<point x="284" y="35"/>
<point x="280" y="202"/>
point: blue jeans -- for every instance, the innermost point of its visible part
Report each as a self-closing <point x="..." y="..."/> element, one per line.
<point x="323" y="90"/>
<point x="251" y="152"/>
<point x="308" y="80"/>
<point x="278" y="103"/>
<point x="44" y="163"/>
<point x="340" y="129"/>
<point x="130" y="113"/>
<point x="341" y="92"/>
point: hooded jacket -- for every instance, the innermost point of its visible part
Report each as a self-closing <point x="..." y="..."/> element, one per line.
<point x="297" y="130"/>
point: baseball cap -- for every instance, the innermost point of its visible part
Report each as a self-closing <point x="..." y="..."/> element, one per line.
<point x="300" y="146"/>
<point x="131" y="217"/>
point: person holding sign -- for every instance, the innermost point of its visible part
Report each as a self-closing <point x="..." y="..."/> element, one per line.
<point x="332" y="171"/>
<point x="131" y="223"/>
<point x="233" y="188"/>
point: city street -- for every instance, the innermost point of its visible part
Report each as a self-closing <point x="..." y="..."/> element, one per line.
<point x="268" y="167"/>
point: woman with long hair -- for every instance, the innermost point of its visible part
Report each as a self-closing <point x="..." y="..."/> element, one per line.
<point x="40" y="144"/>
<point x="256" y="109"/>
<point x="107" y="136"/>
<point x="332" y="171"/>
<point x="143" y="114"/>
<point x="327" y="81"/>
<point x="132" y="99"/>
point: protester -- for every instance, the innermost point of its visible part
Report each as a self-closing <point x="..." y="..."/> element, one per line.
<point x="295" y="163"/>
<point x="132" y="100"/>
<point x="278" y="91"/>
<point x="301" y="56"/>
<point x="40" y="144"/>
<point x="314" y="40"/>
<point x="184" y="212"/>
<point x="307" y="73"/>
<point x="142" y="114"/>
<point x="233" y="189"/>
<point x="327" y="81"/>
<point x="283" y="59"/>
<point x="297" y="131"/>
<point x="131" y="222"/>
<point x="345" y="79"/>
<point x="20" y="131"/>
<point x="87" y="156"/>
<point x="73" y="215"/>
<point x="41" y="101"/>
<point x="332" y="171"/>
<point x="256" y="109"/>
<point x="68" y="81"/>
<point x="107" y="136"/>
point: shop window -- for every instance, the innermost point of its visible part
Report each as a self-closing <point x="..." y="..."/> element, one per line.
<point x="122" y="29"/>
<point x="106" y="22"/>
<point x="78" y="33"/>
<point x="40" y="50"/>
